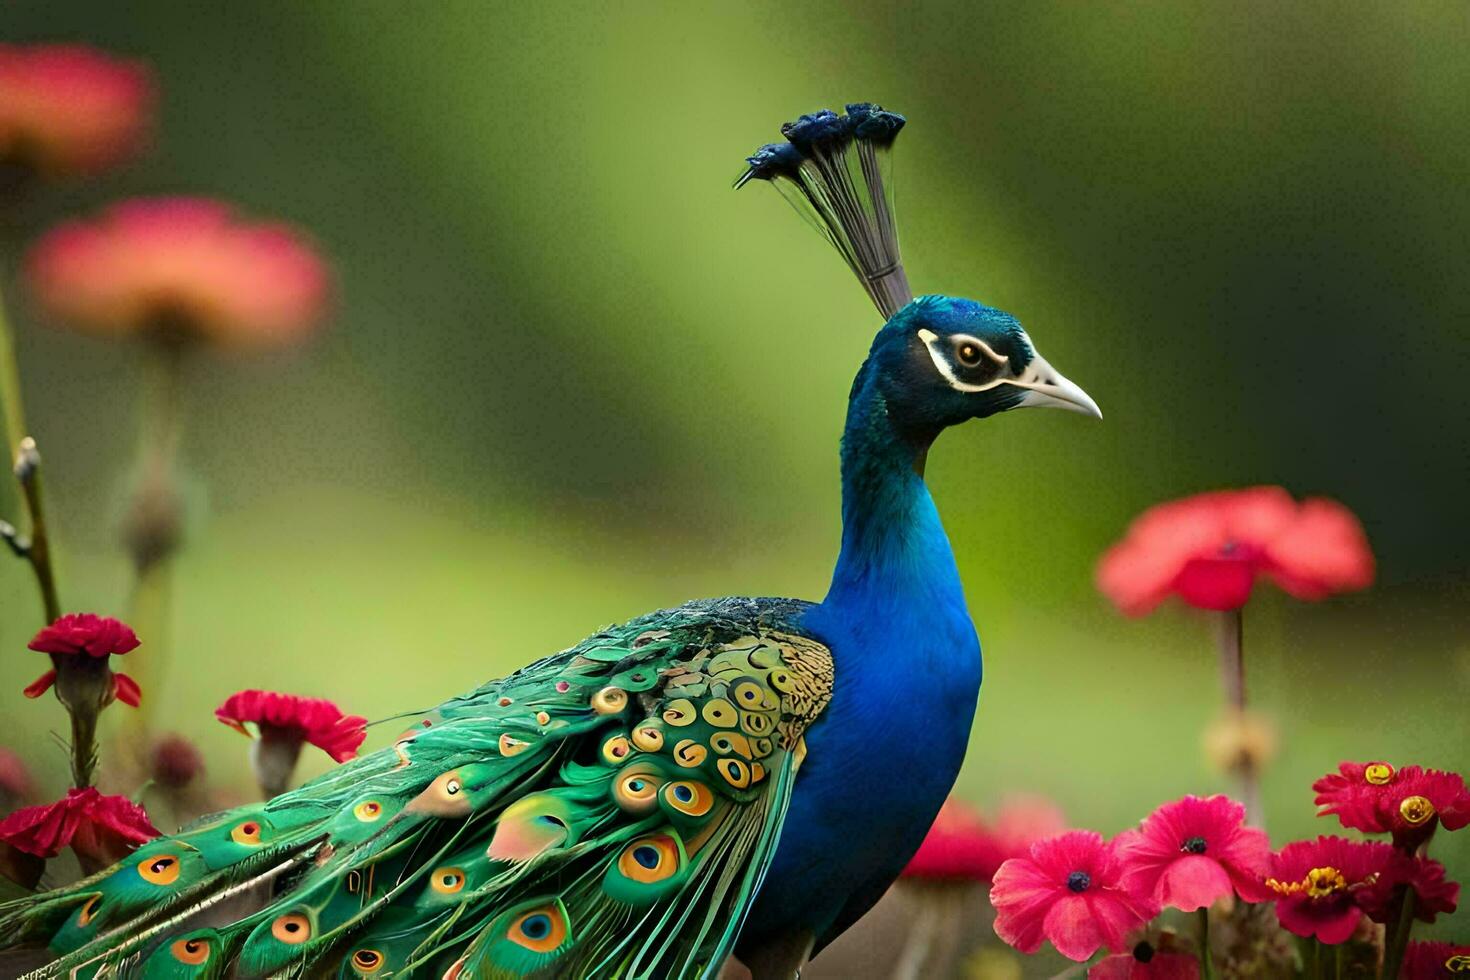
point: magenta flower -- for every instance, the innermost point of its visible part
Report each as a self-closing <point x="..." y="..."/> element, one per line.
<point x="963" y="845"/>
<point x="1433" y="894"/>
<point x="1145" y="962"/>
<point x="1436" y="961"/>
<point x="1190" y="853"/>
<point x="1317" y="884"/>
<point x="1068" y="890"/>
<point x="1409" y="803"/>
<point x="101" y="829"/>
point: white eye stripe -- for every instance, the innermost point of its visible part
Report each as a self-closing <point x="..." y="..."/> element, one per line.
<point x="946" y="369"/>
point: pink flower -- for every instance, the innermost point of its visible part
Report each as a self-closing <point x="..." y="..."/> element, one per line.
<point x="1376" y="798"/>
<point x="80" y="645"/>
<point x="15" y="779"/>
<point x="1190" y="853"/>
<point x="180" y="269"/>
<point x="1067" y="890"/>
<point x="961" y="845"/>
<point x="1317" y="884"/>
<point x="1432" y="893"/>
<point x="70" y="109"/>
<point x="1209" y="549"/>
<point x="1436" y="961"/>
<point x="313" y="720"/>
<point x="1144" y="962"/>
<point x="99" y="828"/>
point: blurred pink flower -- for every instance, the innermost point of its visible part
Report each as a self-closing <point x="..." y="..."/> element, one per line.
<point x="962" y="845"/>
<point x="1317" y="884"/>
<point x="175" y="762"/>
<point x="1068" y="890"/>
<point x="70" y="109"/>
<point x="1192" y="852"/>
<point x="1209" y="549"/>
<point x="180" y="269"/>
<point x="15" y="779"/>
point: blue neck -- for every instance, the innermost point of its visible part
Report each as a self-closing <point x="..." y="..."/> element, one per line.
<point x="895" y="559"/>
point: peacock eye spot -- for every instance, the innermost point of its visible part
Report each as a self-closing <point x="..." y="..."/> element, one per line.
<point x="452" y="787"/>
<point x="536" y="927"/>
<point x="683" y="794"/>
<point x="646" y="856"/>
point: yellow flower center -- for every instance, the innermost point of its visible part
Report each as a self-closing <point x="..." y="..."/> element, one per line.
<point x="1416" y="810"/>
<point x="1322" y="882"/>
<point x="1378" y="773"/>
<point x="1319" y="883"/>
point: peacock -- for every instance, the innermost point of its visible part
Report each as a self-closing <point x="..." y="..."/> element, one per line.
<point x="730" y="782"/>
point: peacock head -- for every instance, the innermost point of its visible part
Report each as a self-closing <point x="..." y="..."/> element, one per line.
<point x="940" y="361"/>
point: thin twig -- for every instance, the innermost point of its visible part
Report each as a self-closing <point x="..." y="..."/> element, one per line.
<point x="1232" y="680"/>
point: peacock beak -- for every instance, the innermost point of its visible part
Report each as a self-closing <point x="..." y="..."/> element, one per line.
<point x="1049" y="388"/>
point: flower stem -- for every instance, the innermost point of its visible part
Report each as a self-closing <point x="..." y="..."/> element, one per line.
<point x="26" y="461"/>
<point x="1398" y="938"/>
<point x="152" y="532"/>
<point x="83" y="745"/>
<point x="1232" y="679"/>
<point x="1206" y="961"/>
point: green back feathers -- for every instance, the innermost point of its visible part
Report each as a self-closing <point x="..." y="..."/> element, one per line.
<point x="605" y="812"/>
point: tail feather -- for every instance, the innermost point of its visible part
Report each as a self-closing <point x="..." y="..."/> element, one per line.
<point x="834" y="169"/>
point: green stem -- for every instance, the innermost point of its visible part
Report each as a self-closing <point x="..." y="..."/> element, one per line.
<point x="1231" y="642"/>
<point x="1337" y="956"/>
<point x="26" y="461"/>
<point x="1206" y="961"/>
<point x="1398" y="938"/>
<point x="1315" y="971"/>
<point x="83" y="746"/>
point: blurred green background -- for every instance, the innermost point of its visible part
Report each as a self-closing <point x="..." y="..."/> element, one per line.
<point x="572" y="376"/>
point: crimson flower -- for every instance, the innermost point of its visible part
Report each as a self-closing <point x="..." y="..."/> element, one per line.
<point x="285" y="722"/>
<point x="1409" y="803"/>
<point x="1317" y="884"/>
<point x="80" y="645"/>
<point x="101" y="829"/>
<point x="1144" y="962"/>
<point x="1436" y="961"/>
<point x="1189" y="853"/>
<point x="70" y="109"/>
<point x="1068" y="889"/>
<point x="1432" y="893"/>
<point x="962" y="845"/>
<point x="180" y="269"/>
<point x="1210" y="549"/>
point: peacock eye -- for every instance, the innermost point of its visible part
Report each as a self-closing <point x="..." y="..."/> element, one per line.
<point x="968" y="353"/>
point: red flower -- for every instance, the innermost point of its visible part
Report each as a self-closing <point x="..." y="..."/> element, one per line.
<point x="1376" y="798"/>
<point x="286" y="716"/>
<point x="175" y="762"/>
<point x="1436" y="961"/>
<point x="80" y="645"/>
<point x="1209" y="550"/>
<point x="1432" y="893"/>
<point x="99" y="828"/>
<point x="1068" y="890"/>
<point x="180" y="268"/>
<point x="1317" y="884"/>
<point x="961" y="845"/>
<point x="67" y="108"/>
<point x="1194" y="851"/>
<point x="1144" y="962"/>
